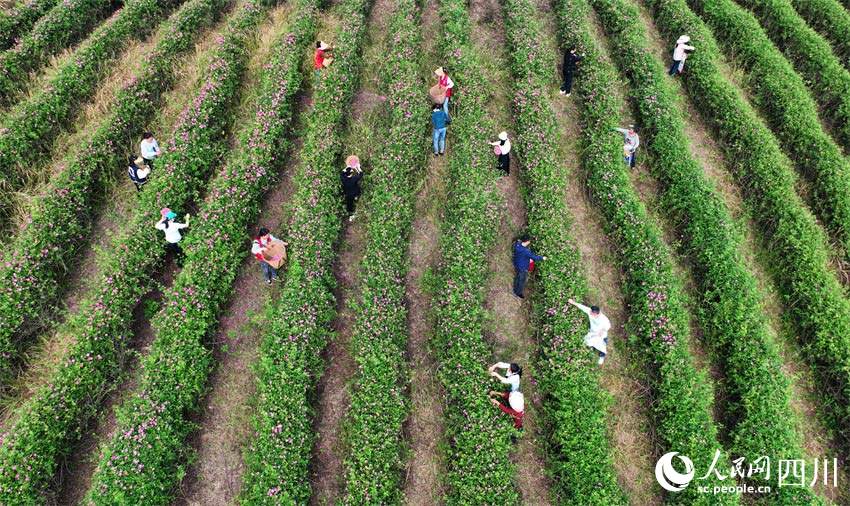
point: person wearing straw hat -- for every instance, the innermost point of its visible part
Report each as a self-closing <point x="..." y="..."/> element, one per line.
<point x="321" y="61"/>
<point x="597" y="338"/>
<point x="172" y="233"/>
<point x="138" y="171"/>
<point x="350" y="179"/>
<point x="513" y="373"/>
<point x="511" y="403"/>
<point x="149" y="148"/>
<point x="258" y="246"/>
<point x="680" y="55"/>
<point x="503" y="149"/>
<point x="440" y="119"/>
<point x="632" y="139"/>
<point x="445" y="82"/>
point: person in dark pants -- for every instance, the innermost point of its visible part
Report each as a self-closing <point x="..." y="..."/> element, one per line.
<point x="261" y="242"/>
<point x="440" y="119"/>
<point x="172" y="234"/>
<point x="522" y="260"/>
<point x="570" y="60"/>
<point x="350" y="179"/>
<point x="503" y="149"/>
<point x="138" y="172"/>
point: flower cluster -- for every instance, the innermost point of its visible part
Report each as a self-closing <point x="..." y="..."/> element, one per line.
<point x="51" y="420"/>
<point x="32" y="126"/>
<point x="20" y="20"/>
<point x="729" y="299"/>
<point x="815" y="301"/>
<point x="575" y="405"/>
<point x="658" y="319"/>
<point x="139" y="463"/>
<point x="34" y="263"/>
<point x="299" y="323"/>
<point x="378" y="409"/>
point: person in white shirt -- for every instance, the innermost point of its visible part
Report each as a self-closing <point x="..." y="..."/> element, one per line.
<point x="514" y="373"/>
<point x="680" y="55"/>
<point x="172" y="234"/>
<point x="504" y="148"/>
<point x="597" y="338"/>
<point x="260" y="244"/>
<point x="149" y="148"/>
<point x="138" y="172"/>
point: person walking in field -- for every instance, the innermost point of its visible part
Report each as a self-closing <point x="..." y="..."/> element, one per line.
<point x="172" y="233"/>
<point x="320" y="61"/>
<point x="632" y="139"/>
<point x="680" y="55"/>
<point x="445" y="82"/>
<point x="597" y="338"/>
<point x="511" y="403"/>
<point x="350" y="179"/>
<point x="149" y="148"/>
<point x="440" y="119"/>
<point x="138" y="172"/>
<point x="258" y="246"/>
<point x="523" y="262"/>
<point x="570" y="60"/>
<point x="503" y="149"/>
<point x="513" y="373"/>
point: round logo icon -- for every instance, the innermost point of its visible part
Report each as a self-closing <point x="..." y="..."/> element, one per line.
<point x="668" y="478"/>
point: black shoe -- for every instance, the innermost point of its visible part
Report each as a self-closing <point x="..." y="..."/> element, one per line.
<point x="518" y="296"/>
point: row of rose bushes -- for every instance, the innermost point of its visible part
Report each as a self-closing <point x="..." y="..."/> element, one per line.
<point x="20" y="20"/>
<point x="735" y="329"/>
<point x="478" y="434"/>
<point x="32" y="126"/>
<point x="788" y="108"/>
<point x="814" y="300"/>
<point x="658" y="320"/>
<point x="374" y="432"/>
<point x="574" y="405"/>
<point x="46" y="427"/>
<point x="139" y="464"/>
<point x="812" y="56"/>
<point x="299" y="324"/>
<point x="34" y="264"/>
<point x="65" y="23"/>
<point x="832" y="21"/>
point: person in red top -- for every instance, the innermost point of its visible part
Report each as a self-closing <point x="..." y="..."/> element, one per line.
<point x="319" y="60"/>
<point x="511" y="403"/>
<point x="445" y="82"/>
<point x="261" y="242"/>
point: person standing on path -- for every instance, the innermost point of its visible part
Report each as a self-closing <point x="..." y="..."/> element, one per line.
<point x="440" y="119"/>
<point x="597" y="338"/>
<point x="522" y="263"/>
<point x="514" y="373"/>
<point x="259" y="245"/>
<point x="172" y="233"/>
<point x="680" y="55"/>
<point x="138" y="172"/>
<point x="631" y="138"/>
<point x="320" y="61"/>
<point x="503" y="149"/>
<point x="570" y="60"/>
<point x="350" y="179"/>
<point x="511" y="403"/>
<point x="149" y="148"/>
<point x="445" y="82"/>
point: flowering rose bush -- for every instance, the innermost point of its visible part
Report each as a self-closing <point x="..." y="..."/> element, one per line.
<point x="51" y="421"/>
<point x="64" y="24"/>
<point x="730" y="302"/>
<point x="658" y="319"/>
<point x="139" y="463"/>
<point x="814" y="300"/>
<point x="831" y="19"/>
<point x="32" y="126"/>
<point x="298" y="325"/>
<point x="378" y="408"/>
<point x="35" y="262"/>
<point x="20" y="20"/>
<point x="574" y="406"/>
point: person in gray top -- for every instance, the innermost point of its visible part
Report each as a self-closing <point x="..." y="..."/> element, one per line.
<point x="631" y="138"/>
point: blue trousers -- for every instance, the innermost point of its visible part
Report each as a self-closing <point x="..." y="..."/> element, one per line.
<point x="268" y="271"/>
<point x="439" y="139"/>
<point x="519" y="282"/>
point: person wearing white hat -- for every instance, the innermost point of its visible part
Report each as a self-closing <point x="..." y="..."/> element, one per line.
<point x="503" y="148"/>
<point x="511" y="403"/>
<point x="321" y="61"/>
<point x="680" y="55"/>
<point x="172" y="233"/>
<point x="597" y="338"/>
<point x="444" y="81"/>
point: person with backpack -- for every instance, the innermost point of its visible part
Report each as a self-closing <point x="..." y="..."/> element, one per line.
<point x="172" y="233"/>
<point x="511" y="403"/>
<point x="350" y="178"/>
<point x="597" y="338"/>
<point x="570" y="60"/>
<point x="440" y="120"/>
<point x="149" y="148"/>
<point x="138" y="172"/>
<point x="680" y="55"/>
<point x="258" y="246"/>
<point x="523" y="262"/>
<point x="512" y="376"/>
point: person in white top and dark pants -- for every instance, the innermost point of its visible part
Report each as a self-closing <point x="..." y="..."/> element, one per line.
<point x="172" y="234"/>
<point x="149" y="148"/>
<point x="597" y="338"/>
<point x="503" y="148"/>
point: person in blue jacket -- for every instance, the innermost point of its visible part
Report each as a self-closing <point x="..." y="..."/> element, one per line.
<point x="522" y="259"/>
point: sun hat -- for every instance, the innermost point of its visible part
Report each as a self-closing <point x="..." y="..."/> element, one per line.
<point x="164" y="211"/>
<point x="517" y="401"/>
<point x="684" y="39"/>
<point x="352" y="161"/>
<point x="171" y="215"/>
<point x="503" y="136"/>
<point x="323" y="45"/>
<point x="497" y="150"/>
<point x="439" y="71"/>
<point x="139" y="162"/>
